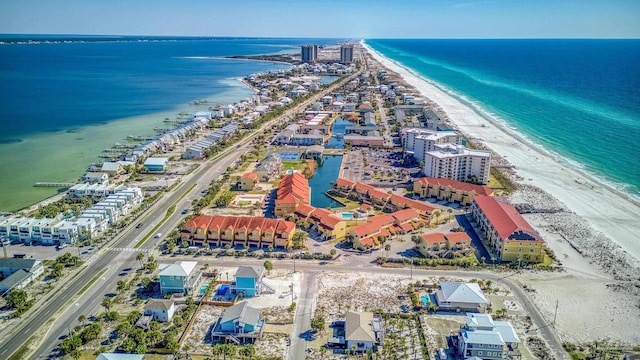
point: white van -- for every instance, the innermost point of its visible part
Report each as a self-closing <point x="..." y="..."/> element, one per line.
<point x="157" y="236"/>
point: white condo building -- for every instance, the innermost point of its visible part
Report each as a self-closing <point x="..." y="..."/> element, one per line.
<point x="419" y="141"/>
<point x="458" y="163"/>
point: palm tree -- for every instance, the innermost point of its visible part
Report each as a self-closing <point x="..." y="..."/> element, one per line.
<point x="437" y="214"/>
<point x="107" y="302"/>
<point x="387" y="248"/>
<point x="83" y="319"/>
<point x="140" y="257"/>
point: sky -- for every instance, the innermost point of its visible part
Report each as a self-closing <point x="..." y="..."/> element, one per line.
<point x="326" y="18"/>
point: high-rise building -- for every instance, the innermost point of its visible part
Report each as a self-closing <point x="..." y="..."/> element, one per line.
<point x="309" y="53"/>
<point x="457" y="163"/>
<point x="346" y="53"/>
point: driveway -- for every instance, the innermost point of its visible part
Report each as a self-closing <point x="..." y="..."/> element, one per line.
<point x="481" y="250"/>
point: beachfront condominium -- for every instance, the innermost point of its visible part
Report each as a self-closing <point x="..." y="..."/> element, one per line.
<point x="456" y="162"/>
<point x="346" y="53"/>
<point x="506" y="232"/>
<point x="309" y="53"/>
<point x="419" y="141"/>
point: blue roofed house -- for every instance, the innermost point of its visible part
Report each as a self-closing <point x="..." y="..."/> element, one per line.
<point x="180" y="277"/>
<point x="249" y="280"/>
<point x="240" y="323"/>
<point x="483" y="337"/>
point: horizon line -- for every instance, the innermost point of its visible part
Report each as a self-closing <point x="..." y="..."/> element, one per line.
<point x="320" y="37"/>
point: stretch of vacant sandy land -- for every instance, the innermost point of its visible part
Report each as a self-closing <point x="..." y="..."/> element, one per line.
<point x="594" y="236"/>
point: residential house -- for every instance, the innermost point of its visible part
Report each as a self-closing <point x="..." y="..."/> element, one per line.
<point x="450" y="190"/>
<point x="96" y="178"/>
<point x="179" y="277"/>
<point x="269" y="167"/>
<point x="485" y="338"/>
<point x="363" y="331"/>
<point x="506" y="231"/>
<point x="156" y="164"/>
<point x="239" y="324"/>
<point x="461" y="297"/>
<point x="112" y="167"/>
<point x="248" y="181"/>
<point x="248" y="280"/>
<point x="238" y="231"/>
<point x="161" y="310"/>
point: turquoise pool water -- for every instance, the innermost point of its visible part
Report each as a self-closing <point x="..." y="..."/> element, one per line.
<point x="203" y="289"/>
<point x="425" y="299"/>
<point x="346" y="216"/>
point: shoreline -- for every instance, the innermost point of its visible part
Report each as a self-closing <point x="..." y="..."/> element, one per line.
<point x="607" y="210"/>
<point x="144" y="123"/>
<point x="237" y="59"/>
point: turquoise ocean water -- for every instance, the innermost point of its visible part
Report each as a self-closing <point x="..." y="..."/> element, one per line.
<point x="579" y="99"/>
<point x="65" y="99"/>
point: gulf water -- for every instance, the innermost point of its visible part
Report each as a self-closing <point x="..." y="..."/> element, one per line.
<point x="64" y="100"/>
<point x="579" y="99"/>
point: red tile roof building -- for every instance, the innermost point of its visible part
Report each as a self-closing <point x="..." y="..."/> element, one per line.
<point x="506" y="231"/>
<point x="381" y="200"/>
<point x="450" y="190"/>
<point x="329" y="224"/>
<point x="293" y="190"/>
<point x="248" y="181"/>
<point x="444" y="244"/>
<point x="238" y="230"/>
<point x="402" y="221"/>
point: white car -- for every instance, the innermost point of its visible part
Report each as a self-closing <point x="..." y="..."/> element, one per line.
<point x="157" y="236"/>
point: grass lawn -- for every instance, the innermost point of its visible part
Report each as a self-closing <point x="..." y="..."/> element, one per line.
<point x="298" y="165"/>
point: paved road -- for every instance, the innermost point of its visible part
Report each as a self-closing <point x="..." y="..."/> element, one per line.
<point x="300" y="332"/>
<point x="362" y="264"/>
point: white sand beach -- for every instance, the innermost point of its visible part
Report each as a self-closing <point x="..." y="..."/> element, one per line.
<point x="606" y="210"/>
<point x="595" y="237"/>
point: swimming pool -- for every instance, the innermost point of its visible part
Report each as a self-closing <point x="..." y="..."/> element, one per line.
<point x="346" y="216"/>
<point x="425" y="300"/>
<point x="203" y="289"/>
<point x="222" y="290"/>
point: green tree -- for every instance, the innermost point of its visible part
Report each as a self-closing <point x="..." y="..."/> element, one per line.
<point x="268" y="265"/>
<point x="318" y="323"/>
<point x="107" y="302"/>
<point x="83" y="319"/>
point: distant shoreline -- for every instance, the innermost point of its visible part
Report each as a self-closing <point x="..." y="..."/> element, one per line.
<point x="258" y="58"/>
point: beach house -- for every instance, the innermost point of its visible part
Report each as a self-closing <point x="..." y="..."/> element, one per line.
<point x="506" y="232"/>
<point x="179" y="277"/>
<point x="161" y="310"/>
<point x="154" y="164"/>
<point x="239" y="324"/>
<point x="363" y="331"/>
<point x="485" y="338"/>
<point x="18" y="273"/>
<point x="248" y="280"/>
<point x="461" y="297"/>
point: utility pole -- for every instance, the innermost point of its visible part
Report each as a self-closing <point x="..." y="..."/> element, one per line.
<point x="556" y="314"/>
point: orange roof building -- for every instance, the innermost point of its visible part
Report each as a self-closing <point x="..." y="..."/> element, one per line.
<point x="450" y="190"/>
<point x="238" y="230"/>
<point x="293" y="190"/>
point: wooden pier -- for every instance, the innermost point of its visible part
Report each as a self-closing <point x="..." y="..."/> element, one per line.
<point x="53" y="184"/>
